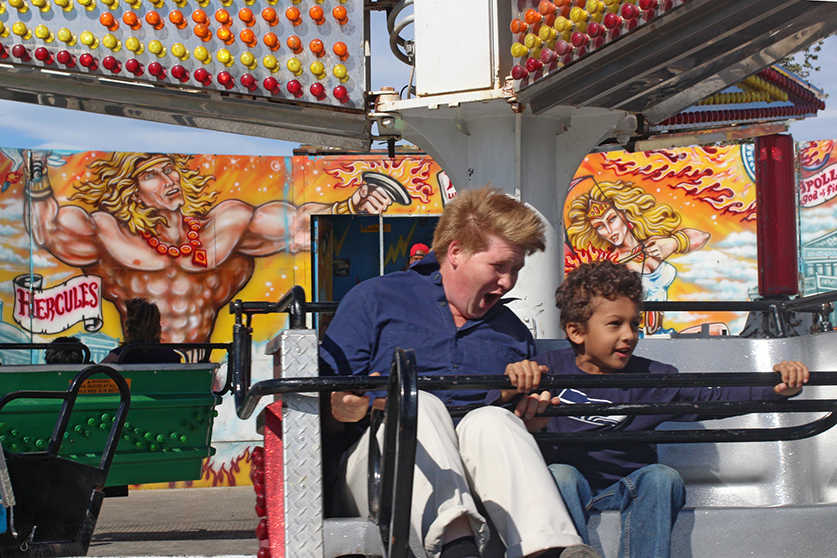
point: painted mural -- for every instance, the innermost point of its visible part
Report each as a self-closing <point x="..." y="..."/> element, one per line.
<point x="685" y="219"/>
<point x="817" y="204"/>
<point x="187" y="232"/>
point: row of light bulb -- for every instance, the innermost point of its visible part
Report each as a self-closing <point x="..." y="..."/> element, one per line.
<point x="68" y="5"/>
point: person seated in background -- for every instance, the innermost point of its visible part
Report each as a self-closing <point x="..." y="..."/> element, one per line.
<point x="64" y="350"/>
<point x="417" y="253"/>
<point x="600" y="313"/>
<point x="142" y="329"/>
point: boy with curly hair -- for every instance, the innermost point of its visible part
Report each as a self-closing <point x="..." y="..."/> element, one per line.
<point x="600" y="313"/>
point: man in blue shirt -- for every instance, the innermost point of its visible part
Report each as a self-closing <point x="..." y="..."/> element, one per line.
<point x="449" y="308"/>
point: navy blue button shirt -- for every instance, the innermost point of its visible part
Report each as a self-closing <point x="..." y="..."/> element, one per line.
<point x="408" y="309"/>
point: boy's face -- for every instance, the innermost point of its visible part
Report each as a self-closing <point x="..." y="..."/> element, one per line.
<point x="609" y="336"/>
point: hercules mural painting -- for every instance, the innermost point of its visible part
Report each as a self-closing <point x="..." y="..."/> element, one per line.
<point x="157" y="233"/>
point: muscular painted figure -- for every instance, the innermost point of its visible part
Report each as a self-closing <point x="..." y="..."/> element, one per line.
<point x="157" y="235"/>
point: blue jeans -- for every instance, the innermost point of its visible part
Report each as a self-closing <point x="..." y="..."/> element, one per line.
<point x="649" y="500"/>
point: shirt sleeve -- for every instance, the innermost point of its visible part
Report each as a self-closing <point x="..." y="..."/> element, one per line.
<point x="349" y="342"/>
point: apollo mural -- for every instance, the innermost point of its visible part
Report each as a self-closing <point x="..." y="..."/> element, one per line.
<point x="685" y="219"/>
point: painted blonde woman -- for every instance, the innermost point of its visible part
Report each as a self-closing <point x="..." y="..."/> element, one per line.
<point x="627" y="221"/>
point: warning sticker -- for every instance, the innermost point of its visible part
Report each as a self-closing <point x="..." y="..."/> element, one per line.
<point x="101" y="385"/>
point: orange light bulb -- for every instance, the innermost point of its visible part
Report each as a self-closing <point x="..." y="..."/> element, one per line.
<point x="225" y="35"/>
<point x="293" y="15"/>
<point x="294" y="43"/>
<point x="340" y="14"/>
<point x="222" y="16"/>
<point x="177" y="19"/>
<point x="246" y="16"/>
<point x="248" y="37"/>
<point x="269" y="15"/>
<point x="131" y="20"/>
<point x="199" y="16"/>
<point x="271" y="41"/>
<point x="202" y="30"/>
<point x="107" y="20"/>
<point x="316" y="46"/>
<point x="341" y="50"/>
<point x="316" y="13"/>
<point x="154" y="20"/>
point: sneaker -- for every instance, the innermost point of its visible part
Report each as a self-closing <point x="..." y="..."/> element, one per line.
<point x="579" y="551"/>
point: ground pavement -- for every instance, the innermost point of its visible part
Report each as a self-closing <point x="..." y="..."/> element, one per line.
<point x="178" y="522"/>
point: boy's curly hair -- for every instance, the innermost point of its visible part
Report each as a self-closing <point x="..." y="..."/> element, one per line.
<point x="606" y="279"/>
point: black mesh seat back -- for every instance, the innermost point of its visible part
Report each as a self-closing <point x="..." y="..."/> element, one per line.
<point x="56" y="495"/>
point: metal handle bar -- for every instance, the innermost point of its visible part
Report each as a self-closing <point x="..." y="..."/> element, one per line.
<point x="85" y="350"/>
<point x="622" y="380"/>
<point x="69" y="398"/>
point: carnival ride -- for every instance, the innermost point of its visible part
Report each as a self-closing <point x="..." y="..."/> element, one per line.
<point x="531" y="88"/>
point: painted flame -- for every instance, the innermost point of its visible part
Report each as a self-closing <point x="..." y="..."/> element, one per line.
<point x="413" y="174"/>
<point x="589" y="254"/>
<point x="815" y="154"/>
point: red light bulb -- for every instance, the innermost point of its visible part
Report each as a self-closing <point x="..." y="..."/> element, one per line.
<point x="112" y="64"/>
<point x="317" y="90"/>
<point x="19" y="51"/>
<point x="294" y="88"/>
<point x="533" y="64"/>
<point x="134" y="66"/>
<point x="648" y="5"/>
<point x="157" y="70"/>
<point x="88" y="61"/>
<point x="563" y="47"/>
<point x="43" y="55"/>
<point x="629" y="11"/>
<point x="179" y="73"/>
<point x="612" y="20"/>
<point x="341" y="94"/>
<point x="248" y="81"/>
<point x="519" y="72"/>
<point x="579" y="39"/>
<point x="65" y="58"/>
<point x="202" y="76"/>
<point x="594" y="29"/>
<point x="226" y="79"/>
<point x="271" y="84"/>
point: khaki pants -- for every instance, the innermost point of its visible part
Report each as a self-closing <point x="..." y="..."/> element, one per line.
<point x="490" y="454"/>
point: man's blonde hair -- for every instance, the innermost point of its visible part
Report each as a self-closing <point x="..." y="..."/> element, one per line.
<point x="475" y="214"/>
<point x="114" y="186"/>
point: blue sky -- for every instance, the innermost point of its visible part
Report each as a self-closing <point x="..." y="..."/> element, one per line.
<point x="26" y="125"/>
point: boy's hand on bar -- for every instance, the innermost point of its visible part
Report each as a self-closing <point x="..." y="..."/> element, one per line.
<point x="794" y="376"/>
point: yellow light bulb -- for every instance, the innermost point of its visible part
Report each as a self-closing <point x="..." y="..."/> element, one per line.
<point x="19" y="5"/>
<point x="156" y="48"/>
<point x="43" y="33"/>
<point x="88" y="4"/>
<point x="248" y="59"/>
<point x="112" y="4"/>
<point x="294" y="66"/>
<point x="179" y="51"/>
<point x="318" y="69"/>
<point x="42" y="5"/>
<point x="340" y="72"/>
<point x="20" y="29"/>
<point x="88" y="39"/>
<point x="110" y="41"/>
<point x="134" y="45"/>
<point x="67" y="5"/>
<point x="270" y="63"/>
<point x="202" y="54"/>
<point x="66" y="36"/>
<point x="224" y="57"/>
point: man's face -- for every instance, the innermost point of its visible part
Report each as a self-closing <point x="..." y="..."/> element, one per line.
<point x="611" y="227"/>
<point x="158" y="187"/>
<point x="609" y="337"/>
<point x="417" y="256"/>
<point x="476" y="281"/>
